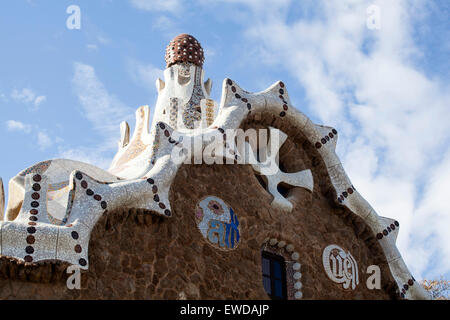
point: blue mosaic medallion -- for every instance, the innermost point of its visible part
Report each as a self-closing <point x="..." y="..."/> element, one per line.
<point x="218" y="223"/>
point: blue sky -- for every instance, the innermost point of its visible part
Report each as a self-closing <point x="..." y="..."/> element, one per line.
<point x="64" y="92"/>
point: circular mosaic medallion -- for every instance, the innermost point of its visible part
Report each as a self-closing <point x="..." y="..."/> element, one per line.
<point x="340" y="266"/>
<point x="217" y="223"/>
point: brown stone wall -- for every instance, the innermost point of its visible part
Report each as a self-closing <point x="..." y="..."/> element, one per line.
<point x="136" y="255"/>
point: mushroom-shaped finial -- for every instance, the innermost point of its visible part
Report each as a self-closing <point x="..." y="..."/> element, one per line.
<point x="184" y="48"/>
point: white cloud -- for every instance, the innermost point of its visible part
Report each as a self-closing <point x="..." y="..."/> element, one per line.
<point x="28" y="96"/>
<point x="144" y="74"/>
<point x="3" y="97"/>
<point x="92" y="47"/>
<point x="173" y="6"/>
<point x="392" y="118"/>
<point x="168" y="26"/>
<point x="105" y="111"/>
<point x="39" y="100"/>
<point x="89" y="155"/>
<point x="103" y="40"/>
<point x="13" y="125"/>
<point x="433" y="213"/>
<point x="44" y="141"/>
<point x="25" y="95"/>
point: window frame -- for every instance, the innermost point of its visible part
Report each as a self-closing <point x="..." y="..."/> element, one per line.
<point x="271" y="257"/>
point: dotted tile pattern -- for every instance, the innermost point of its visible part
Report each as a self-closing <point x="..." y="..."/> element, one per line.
<point x="293" y="273"/>
<point x="184" y="48"/>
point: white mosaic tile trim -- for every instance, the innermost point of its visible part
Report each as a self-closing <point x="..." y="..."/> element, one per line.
<point x="234" y="107"/>
<point x="268" y="166"/>
<point x="124" y="135"/>
<point x="295" y="256"/>
<point x="340" y="181"/>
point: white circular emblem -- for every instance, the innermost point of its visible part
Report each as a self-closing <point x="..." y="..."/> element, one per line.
<point x="340" y="266"/>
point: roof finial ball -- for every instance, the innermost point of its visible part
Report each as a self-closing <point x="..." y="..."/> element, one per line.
<point x="184" y="48"/>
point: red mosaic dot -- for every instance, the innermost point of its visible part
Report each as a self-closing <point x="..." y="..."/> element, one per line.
<point x="162" y="205"/>
<point x="84" y="184"/>
<point x="30" y="239"/>
<point x="34" y="211"/>
<point x="155" y="189"/>
<point x="97" y="197"/>
<point x="28" y="258"/>
<point x="77" y="248"/>
<point x="35" y="196"/>
<point x="37" y="178"/>
<point x="318" y="145"/>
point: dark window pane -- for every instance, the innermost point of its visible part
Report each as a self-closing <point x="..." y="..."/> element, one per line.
<point x="274" y="275"/>
<point x="266" y="284"/>
<point x="276" y="269"/>
<point x="266" y="266"/>
<point x="278" y="289"/>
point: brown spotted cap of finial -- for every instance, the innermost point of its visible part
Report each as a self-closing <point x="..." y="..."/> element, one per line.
<point x="184" y="48"/>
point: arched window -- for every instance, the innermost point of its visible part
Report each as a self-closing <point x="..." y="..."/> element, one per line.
<point x="274" y="275"/>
